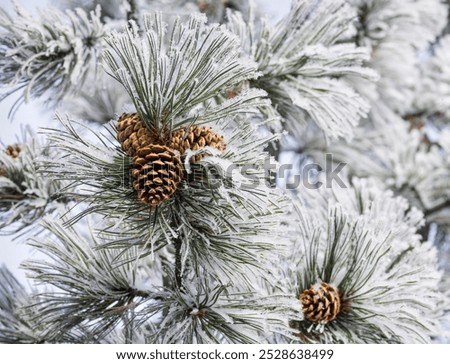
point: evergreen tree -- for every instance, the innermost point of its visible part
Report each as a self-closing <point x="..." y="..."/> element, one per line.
<point x="158" y="200"/>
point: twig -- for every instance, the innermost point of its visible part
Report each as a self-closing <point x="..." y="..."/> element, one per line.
<point x="131" y="14"/>
<point x="437" y="208"/>
<point x="178" y="268"/>
<point x="11" y="197"/>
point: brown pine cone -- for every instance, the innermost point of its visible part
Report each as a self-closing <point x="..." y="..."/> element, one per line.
<point x="194" y="138"/>
<point x="13" y="150"/>
<point x="321" y="305"/>
<point x="157" y="172"/>
<point x="133" y="134"/>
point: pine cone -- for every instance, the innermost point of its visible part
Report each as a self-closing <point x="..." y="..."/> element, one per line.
<point x="323" y="304"/>
<point x="157" y="172"/>
<point x="133" y="134"/>
<point x="194" y="138"/>
<point x="13" y="150"/>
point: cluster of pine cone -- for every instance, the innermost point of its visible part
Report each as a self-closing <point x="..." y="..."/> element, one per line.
<point x="157" y="165"/>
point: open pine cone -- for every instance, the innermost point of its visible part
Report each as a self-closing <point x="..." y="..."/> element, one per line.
<point x="157" y="172"/>
<point x="132" y="133"/>
<point x="321" y="305"/>
<point x="194" y="138"/>
<point x="13" y="150"/>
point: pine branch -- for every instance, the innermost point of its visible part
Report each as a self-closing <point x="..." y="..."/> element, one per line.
<point x="371" y="261"/>
<point x="304" y="70"/>
<point x="199" y="50"/>
<point x="94" y="291"/>
<point x="207" y="313"/>
<point x="51" y="52"/>
<point x="397" y="156"/>
<point x="20" y="321"/>
<point x="25" y="194"/>
<point x="167" y="85"/>
<point x="224" y="206"/>
<point x="433" y="96"/>
<point x="13" y="328"/>
<point x="394" y="52"/>
<point x="95" y="296"/>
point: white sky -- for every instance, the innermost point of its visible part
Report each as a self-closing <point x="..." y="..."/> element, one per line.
<point x="12" y="253"/>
